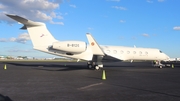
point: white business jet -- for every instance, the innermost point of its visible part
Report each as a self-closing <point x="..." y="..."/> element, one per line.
<point x="94" y="53"/>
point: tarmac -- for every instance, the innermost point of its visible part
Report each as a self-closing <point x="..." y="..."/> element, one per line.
<point x="70" y="81"/>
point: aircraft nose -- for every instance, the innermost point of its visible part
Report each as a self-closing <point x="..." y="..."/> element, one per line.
<point x="166" y="57"/>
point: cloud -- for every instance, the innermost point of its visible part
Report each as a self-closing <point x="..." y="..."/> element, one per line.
<point x="89" y="28"/>
<point x="122" y="21"/>
<point x="114" y="0"/>
<point x="55" y="15"/>
<point x="60" y="1"/>
<point x="19" y="50"/>
<point x="121" y="38"/>
<point x="177" y="28"/>
<point x="134" y="38"/>
<point x="22" y="38"/>
<point x="145" y="35"/>
<point x="73" y="6"/>
<point x="2" y="6"/>
<point x="119" y="7"/>
<point x="59" y="23"/>
<point x="149" y="1"/>
<point x="161" y="0"/>
<point x="37" y="10"/>
<point x="3" y="40"/>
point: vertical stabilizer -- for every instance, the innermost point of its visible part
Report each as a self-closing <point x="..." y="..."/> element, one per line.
<point x="39" y="34"/>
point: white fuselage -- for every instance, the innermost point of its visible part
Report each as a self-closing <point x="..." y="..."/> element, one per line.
<point x="133" y="53"/>
<point x="119" y="52"/>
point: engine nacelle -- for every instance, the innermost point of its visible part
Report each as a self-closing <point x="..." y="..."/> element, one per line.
<point x="70" y="46"/>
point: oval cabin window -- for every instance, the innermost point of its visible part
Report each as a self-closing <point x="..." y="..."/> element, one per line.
<point x="140" y="52"/>
<point x="122" y="51"/>
<point x="114" y="51"/>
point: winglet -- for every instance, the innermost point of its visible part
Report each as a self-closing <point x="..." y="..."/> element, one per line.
<point x="94" y="45"/>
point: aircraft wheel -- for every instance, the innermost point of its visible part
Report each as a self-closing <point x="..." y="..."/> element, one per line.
<point x="89" y="66"/>
<point x="97" y="67"/>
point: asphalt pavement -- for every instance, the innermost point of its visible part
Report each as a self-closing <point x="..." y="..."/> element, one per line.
<point x="53" y="81"/>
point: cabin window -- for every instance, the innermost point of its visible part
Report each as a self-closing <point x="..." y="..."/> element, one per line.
<point x="146" y="52"/>
<point x="140" y="52"/>
<point x="114" y="51"/>
<point x="128" y="52"/>
<point x="122" y="51"/>
<point x="134" y="52"/>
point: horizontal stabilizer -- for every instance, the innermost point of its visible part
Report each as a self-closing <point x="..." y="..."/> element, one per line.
<point x="96" y="49"/>
<point x="26" y="22"/>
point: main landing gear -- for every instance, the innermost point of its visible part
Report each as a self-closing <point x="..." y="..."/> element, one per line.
<point x="94" y="65"/>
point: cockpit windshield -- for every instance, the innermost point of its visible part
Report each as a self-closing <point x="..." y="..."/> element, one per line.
<point x="160" y="51"/>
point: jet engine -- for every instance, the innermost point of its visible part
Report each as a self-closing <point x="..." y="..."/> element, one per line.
<point x="70" y="46"/>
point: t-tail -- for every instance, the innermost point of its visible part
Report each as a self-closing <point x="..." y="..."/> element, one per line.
<point x="39" y="34"/>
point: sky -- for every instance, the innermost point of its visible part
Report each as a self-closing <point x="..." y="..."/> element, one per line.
<point x="143" y="23"/>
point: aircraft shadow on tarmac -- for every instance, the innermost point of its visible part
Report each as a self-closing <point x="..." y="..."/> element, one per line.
<point x="4" y="98"/>
<point x="51" y="66"/>
<point x="61" y="66"/>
